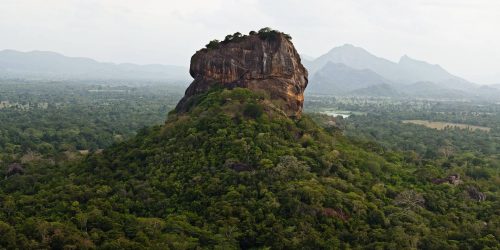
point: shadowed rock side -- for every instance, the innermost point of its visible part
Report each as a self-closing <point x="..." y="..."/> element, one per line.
<point x="270" y="64"/>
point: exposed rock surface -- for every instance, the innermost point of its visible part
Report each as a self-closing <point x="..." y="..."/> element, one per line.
<point x="14" y="168"/>
<point x="475" y="194"/>
<point x="452" y="179"/>
<point x="270" y="64"/>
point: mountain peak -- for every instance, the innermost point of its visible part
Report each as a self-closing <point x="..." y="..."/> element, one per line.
<point x="348" y="45"/>
<point x="347" y="48"/>
<point x="407" y="59"/>
<point x="266" y="61"/>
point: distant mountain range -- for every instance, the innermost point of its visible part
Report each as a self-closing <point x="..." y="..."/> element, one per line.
<point x="350" y="70"/>
<point x="42" y="65"/>
<point x="344" y="70"/>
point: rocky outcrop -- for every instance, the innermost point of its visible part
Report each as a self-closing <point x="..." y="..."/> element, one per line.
<point x="264" y="61"/>
<point x="453" y="179"/>
<point x="13" y="169"/>
<point x="475" y="194"/>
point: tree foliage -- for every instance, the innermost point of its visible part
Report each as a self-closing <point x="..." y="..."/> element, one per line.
<point x="216" y="177"/>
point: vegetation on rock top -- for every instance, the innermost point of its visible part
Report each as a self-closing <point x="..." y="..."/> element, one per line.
<point x="264" y="34"/>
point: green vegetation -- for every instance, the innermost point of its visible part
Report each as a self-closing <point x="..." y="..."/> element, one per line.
<point x="264" y="34"/>
<point x="270" y="34"/>
<point x="234" y="173"/>
<point x="53" y="121"/>
<point x="253" y="110"/>
<point x="213" y="44"/>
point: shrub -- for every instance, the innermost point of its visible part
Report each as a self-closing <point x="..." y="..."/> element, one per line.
<point x="253" y="110"/>
<point x="213" y="44"/>
<point x="268" y="33"/>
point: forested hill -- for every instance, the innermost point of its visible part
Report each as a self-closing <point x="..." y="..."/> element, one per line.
<point x="234" y="172"/>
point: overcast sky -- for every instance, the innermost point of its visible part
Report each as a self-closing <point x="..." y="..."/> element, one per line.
<point x="463" y="36"/>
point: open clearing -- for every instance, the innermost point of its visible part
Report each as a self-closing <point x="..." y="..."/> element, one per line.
<point x="443" y="125"/>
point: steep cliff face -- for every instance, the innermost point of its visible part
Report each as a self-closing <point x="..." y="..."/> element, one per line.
<point x="255" y="62"/>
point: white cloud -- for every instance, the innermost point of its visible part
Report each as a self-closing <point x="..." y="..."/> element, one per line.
<point x="461" y="35"/>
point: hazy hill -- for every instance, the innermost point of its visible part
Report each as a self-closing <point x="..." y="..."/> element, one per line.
<point x="432" y="90"/>
<point x="412" y="70"/>
<point x="385" y="90"/>
<point x="49" y="65"/>
<point x="340" y="78"/>
<point x="306" y="58"/>
<point x="356" y="58"/>
<point x="414" y="90"/>
<point x="488" y="92"/>
<point x="406" y="71"/>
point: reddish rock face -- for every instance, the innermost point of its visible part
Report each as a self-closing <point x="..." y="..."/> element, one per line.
<point x="252" y="62"/>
